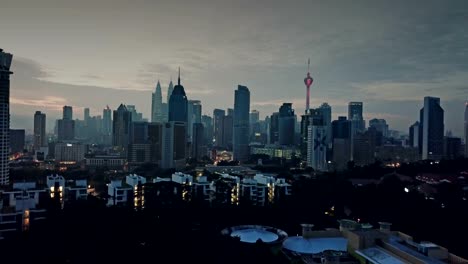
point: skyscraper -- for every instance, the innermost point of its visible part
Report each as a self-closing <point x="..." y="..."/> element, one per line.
<point x="40" y="139"/>
<point x="313" y="117"/>
<point x="342" y="136"/>
<point x="466" y="129"/>
<point x="107" y="121"/>
<point x="228" y="125"/>
<point x="431" y="129"/>
<point x="355" y="110"/>
<point x="174" y="145"/>
<point x="178" y="104"/>
<point x="207" y="122"/>
<point x="326" y="111"/>
<point x="121" y="127"/>
<point x="194" y="109"/>
<point x="274" y="128"/>
<point x="170" y="89"/>
<point x="414" y="135"/>
<point x="5" y="63"/>
<point x="287" y="125"/>
<point x="155" y="138"/>
<point x="198" y="147"/>
<point x="86" y="116"/>
<point x="66" y="125"/>
<point x="380" y="125"/>
<point x="254" y="117"/>
<point x="218" y="127"/>
<point x="157" y="113"/>
<point x="317" y="147"/>
<point x="17" y="140"/>
<point x="241" y="123"/>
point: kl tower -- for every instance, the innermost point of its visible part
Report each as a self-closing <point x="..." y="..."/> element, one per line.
<point x="308" y="82"/>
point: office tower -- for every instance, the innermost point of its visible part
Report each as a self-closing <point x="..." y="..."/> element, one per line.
<point x="466" y="129"/>
<point x="178" y="104"/>
<point x="452" y="147"/>
<point x="194" y="109"/>
<point x="431" y="129"/>
<point x="136" y="116"/>
<point x="308" y="82"/>
<point x="157" y="111"/>
<point x="274" y="128"/>
<point x="241" y="123"/>
<point x="254" y="117"/>
<point x="218" y="128"/>
<point x="312" y="117"/>
<point x="86" y="116"/>
<point x="355" y="110"/>
<point x="207" y="122"/>
<point x="341" y="138"/>
<point x="174" y="144"/>
<point x="67" y="112"/>
<point x="286" y="124"/>
<point x="107" y="121"/>
<point x="155" y="137"/>
<point x="170" y="89"/>
<point x="380" y="125"/>
<point x="139" y="132"/>
<point x="66" y="125"/>
<point x="198" y="147"/>
<point x="121" y="127"/>
<point x="317" y="147"/>
<point x="364" y="146"/>
<point x="16" y="140"/>
<point x="414" y="135"/>
<point x="70" y="151"/>
<point x="228" y="126"/>
<point x="326" y="111"/>
<point x="40" y="139"/>
<point x="5" y="63"/>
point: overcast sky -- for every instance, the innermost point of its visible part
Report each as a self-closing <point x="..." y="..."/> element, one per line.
<point x="91" y="53"/>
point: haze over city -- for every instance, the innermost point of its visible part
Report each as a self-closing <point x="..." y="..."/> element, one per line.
<point x="388" y="54"/>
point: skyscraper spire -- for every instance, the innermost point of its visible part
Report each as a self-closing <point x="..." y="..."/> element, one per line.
<point x="178" y="80"/>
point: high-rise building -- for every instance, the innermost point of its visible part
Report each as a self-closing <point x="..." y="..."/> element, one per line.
<point x="341" y="138"/>
<point x="218" y="128"/>
<point x="380" y="125"/>
<point x="466" y="129"/>
<point x="355" y="110"/>
<point x="287" y="125"/>
<point x="364" y="147"/>
<point x="452" y="147"/>
<point x="157" y="112"/>
<point x="121" y="127"/>
<point x="431" y="129"/>
<point x="326" y="111"/>
<point x="86" y="116"/>
<point x="66" y="125"/>
<point x="198" y="147"/>
<point x="228" y="126"/>
<point x="170" y="89"/>
<point x="174" y="144"/>
<point x="207" y="122"/>
<point x="241" y="123"/>
<point x="274" y="128"/>
<point x="70" y="151"/>
<point x="194" y="109"/>
<point x="312" y="117"/>
<point x="40" y="139"/>
<point x="139" y="133"/>
<point x="414" y="135"/>
<point x="254" y="117"/>
<point x="178" y="104"/>
<point x="317" y="147"/>
<point x="136" y="116"/>
<point x="67" y="112"/>
<point x="5" y="63"/>
<point x="16" y="140"/>
<point x="155" y="138"/>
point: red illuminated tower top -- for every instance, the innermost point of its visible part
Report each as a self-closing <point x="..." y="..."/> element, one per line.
<point x="308" y="82"/>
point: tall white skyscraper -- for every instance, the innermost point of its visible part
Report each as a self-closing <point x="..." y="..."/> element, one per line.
<point x="157" y="113"/>
<point x="5" y="63"/>
<point x="326" y="111"/>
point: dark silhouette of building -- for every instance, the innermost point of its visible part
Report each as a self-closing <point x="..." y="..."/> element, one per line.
<point x="431" y="129"/>
<point x="287" y="125"/>
<point x="241" y="123"/>
<point x="198" y="149"/>
<point x="452" y="147"/>
<point x="414" y="135"/>
<point x="178" y="104"/>
<point x="228" y="124"/>
<point x="155" y="137"/>
<point x="66" y="125"/>
<point x="341" y="133"/>
<point x="218" y="127"/>
<point x="40" y="138"/>
<point x="16" y="140"/>
<point x="5" y="63"/>
<point x="122" y="121"/>
<point x="355" y="110"/>
<point x="274" y="128"/>
<point x="207" y="122"/>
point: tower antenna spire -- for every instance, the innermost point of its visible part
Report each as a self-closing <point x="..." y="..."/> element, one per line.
<point x="178" y="80"/>
<point x="308" y="65"/>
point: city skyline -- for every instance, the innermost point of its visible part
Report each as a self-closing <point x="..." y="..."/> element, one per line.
<point x="377" y="59"/>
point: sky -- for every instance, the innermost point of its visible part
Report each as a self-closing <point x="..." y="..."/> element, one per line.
<point x="93" y="53"/>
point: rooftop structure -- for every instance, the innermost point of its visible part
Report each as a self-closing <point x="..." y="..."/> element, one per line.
<point x="254" y="233"/>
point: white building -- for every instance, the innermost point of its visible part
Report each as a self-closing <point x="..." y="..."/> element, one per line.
<point x="317" y="147"/>
<point x="70" y="151"/>
<point x="182" y="178"/>
<point x="119" y="192"/>
<point x="77" y="189"/>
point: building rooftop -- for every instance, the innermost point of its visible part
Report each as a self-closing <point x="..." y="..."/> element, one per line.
<point x="376" y="255"/>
